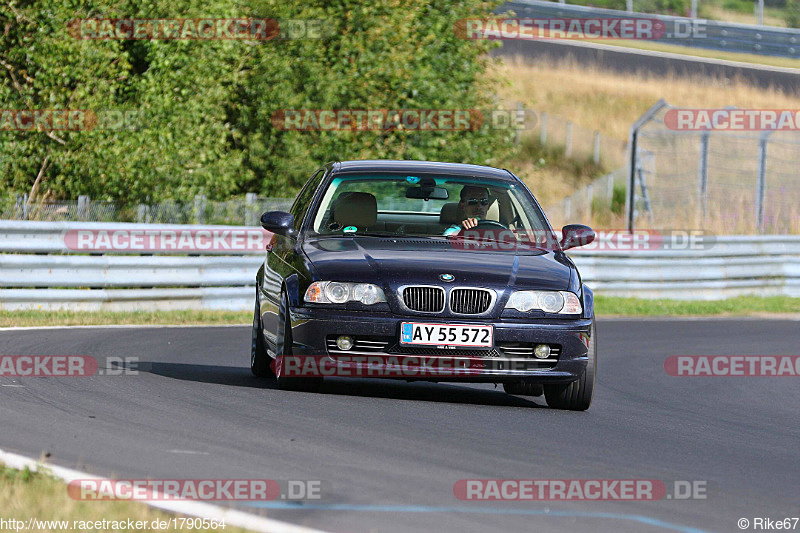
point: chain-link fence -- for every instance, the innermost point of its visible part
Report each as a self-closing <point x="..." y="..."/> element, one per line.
<point x="577" y="142"/>
<point x="724" y="181"/>
<point x="238" y="211"/>
<point x="600" y="204"/>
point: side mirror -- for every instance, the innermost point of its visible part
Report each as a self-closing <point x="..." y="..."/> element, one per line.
<point x="574" y="235"/>
<point x="279" y="222"/>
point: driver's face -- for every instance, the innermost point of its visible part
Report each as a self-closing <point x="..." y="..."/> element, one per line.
<point x="475" y="204"/>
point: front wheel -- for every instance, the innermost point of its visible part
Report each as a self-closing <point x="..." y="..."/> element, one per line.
<point x="283" y="349"/>
<point x="576" y="396"/>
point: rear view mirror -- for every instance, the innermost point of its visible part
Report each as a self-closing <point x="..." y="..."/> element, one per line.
<point x="427" y="193"/>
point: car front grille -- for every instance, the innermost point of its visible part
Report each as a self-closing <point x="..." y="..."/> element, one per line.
<point x="470" y="301"/>
<point x="424" y="299"/>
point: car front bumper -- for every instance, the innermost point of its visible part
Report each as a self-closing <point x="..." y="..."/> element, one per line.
<point x="313" y="329"/>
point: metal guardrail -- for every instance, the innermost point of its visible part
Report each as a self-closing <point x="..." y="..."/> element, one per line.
<point x="716" y="35"/>
<point x="46" y="275"/>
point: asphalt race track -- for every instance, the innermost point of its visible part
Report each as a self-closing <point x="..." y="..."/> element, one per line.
<point x="636" y="62"/>
<point x="390" y="452"/>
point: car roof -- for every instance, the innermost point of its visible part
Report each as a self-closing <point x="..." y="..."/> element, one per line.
<point x="434" y="167"/>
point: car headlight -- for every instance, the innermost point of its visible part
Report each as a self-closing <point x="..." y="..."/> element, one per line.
<point x="561" y="302"/>
<point x="335" y="292"/>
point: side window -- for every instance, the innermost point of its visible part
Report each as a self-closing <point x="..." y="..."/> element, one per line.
<point x="300" y="205"/>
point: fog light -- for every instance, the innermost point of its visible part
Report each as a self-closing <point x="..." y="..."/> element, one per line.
<point x="345" y="342"/>
<point x="542" y="351"/>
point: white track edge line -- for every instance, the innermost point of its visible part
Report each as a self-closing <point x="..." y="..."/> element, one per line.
<point x="232" y="517"/>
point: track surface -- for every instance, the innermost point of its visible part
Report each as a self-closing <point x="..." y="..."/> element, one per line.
<point x="391" y="451"/>
<point x="636" y="62"/>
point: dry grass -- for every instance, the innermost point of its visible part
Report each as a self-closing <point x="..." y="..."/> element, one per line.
<point x="742" y="57"/>
<point x="25" y="495"/>
<point x="610" y="102"/>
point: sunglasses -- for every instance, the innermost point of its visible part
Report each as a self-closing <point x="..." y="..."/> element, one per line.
<point x="476" y="201"/>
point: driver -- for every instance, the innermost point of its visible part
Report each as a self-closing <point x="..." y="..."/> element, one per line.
<point x="474" y="204"/>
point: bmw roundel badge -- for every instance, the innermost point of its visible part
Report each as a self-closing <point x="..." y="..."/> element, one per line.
<point x="446" y="277"/>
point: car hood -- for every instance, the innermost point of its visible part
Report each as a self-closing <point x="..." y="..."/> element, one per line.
<point x="391" y="263"/>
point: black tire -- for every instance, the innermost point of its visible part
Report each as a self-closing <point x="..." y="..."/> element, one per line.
<point x="283" y="347"/>
<point x="576" y="396"/>
<point x="521" y="388"/>
<point x="260" y="361"/>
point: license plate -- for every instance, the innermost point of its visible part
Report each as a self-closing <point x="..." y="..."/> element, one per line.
<point x="446" y="334"/>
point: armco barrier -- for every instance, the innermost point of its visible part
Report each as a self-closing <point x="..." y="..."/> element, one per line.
<point x="715" y="35"/>
<point x="38" y="271"/>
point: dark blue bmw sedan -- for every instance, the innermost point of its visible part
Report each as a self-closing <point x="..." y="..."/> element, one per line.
<point x="423" y="271"/>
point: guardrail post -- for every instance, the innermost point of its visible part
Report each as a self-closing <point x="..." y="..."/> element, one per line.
<point x="200" y="209"/>
<point x="249" y="217"/>
<point x="568" y="149"/>
<point x="83" y="207"/>
<point x="543" y="132"/>
<point x="596" y="151"/>
<point x="702" y="175"/>
<point x="761" y="182"/>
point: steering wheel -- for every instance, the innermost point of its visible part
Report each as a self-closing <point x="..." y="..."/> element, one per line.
<point x="488" y="224"/>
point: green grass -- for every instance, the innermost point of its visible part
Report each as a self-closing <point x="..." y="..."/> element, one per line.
<point x="96" y="318"/>
<point x="604" y="306"/>
<point x="25" y="494"/>
<point x="740" y="306"/>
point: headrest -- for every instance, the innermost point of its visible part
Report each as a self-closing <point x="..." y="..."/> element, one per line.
<point x="451" y="214"/>
<point x="359" y="209"/>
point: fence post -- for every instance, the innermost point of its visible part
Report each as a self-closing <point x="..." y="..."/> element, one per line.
<point x="761" y="182"/>
<point x="141" y="214"/>
<point x="568" y="150"/>
<point x="249" y="216"/>
<point x="520" y="120"/>
<point x="543" y="132"/>
<point x="200" y="209"/>
<point x="567" y="206"/>
<point x="633" y="155"/>
<point x="610" y="191"/>
<point x="83" y="207"/>
<point x="629" y="6"/>
<point x="702" y="175"/>
<point x="596" y="152"/>
<point x="589" y="196"/>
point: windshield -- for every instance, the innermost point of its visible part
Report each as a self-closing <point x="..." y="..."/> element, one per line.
<point x="424" y="205"/>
